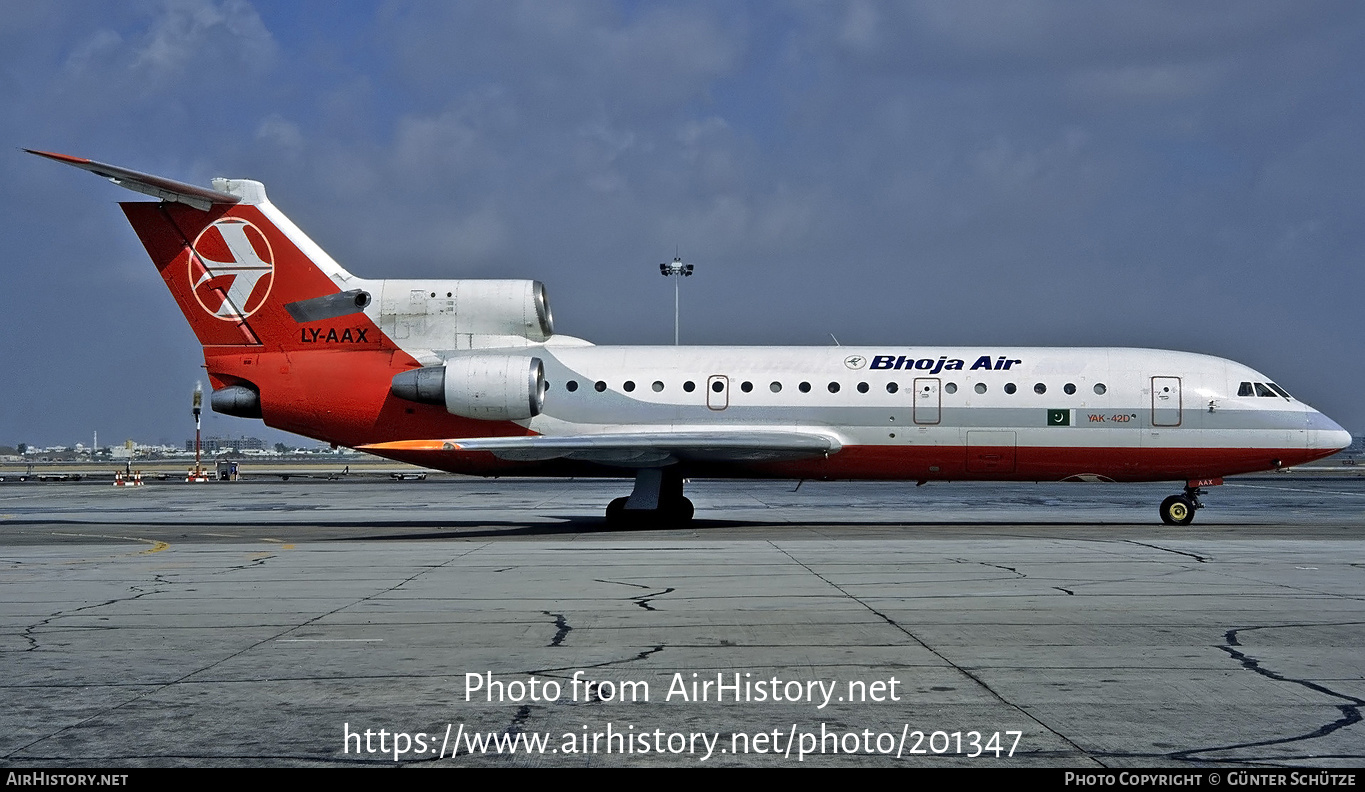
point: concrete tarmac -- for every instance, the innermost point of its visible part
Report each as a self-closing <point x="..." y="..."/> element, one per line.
<point x="843" y="624"/>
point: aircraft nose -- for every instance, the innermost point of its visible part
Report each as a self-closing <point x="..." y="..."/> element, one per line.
<point x="1327" y="434"/>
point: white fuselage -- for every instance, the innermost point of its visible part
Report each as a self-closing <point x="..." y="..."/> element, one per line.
<point x="949" y="412"/>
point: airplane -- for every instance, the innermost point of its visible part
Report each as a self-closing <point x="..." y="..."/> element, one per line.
<point x="469" y="376"/>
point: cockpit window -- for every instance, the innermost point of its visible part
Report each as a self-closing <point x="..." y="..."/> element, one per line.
<point x="1279" y="390"/>
<point x="1245" y="389"/>
<point x="1262" y="390"/>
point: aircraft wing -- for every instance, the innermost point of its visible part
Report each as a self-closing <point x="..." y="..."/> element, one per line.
<point x="638" y="449"/>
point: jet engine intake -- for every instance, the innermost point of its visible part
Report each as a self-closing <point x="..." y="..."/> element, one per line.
<point x="242" y="401"/>
<point x="484" y="387"/>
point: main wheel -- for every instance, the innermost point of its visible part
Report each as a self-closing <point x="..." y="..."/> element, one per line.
<point x="675" y="514"/>
<point x="1177" y="510"/>
<point x="682" y="511"/>
<point x="616" y="517"/>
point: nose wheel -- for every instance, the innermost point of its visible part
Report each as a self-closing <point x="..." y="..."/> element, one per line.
<point x="1177" y="510"/>
<point x="1180" y="509"/>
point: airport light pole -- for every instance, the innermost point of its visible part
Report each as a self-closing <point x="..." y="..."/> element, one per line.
<point x="198" y="473"/>
<point x="677" y="270"/>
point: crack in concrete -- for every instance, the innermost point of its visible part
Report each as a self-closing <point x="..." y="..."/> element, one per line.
<point x="1195" y="556"/>
<point x="591" y="686"/>
<point x="1350" y="711"/>
<point x="28" y="633"/>
<point x="644" y="599"/>
<point x="988" y="564"/>
<point x="240" y="567"/>
<point x="968" y="674"/>
<point x="232" y="655"/>
<point x="518" y="720"/>
<point x="563" y="628"/>
<point x="605" y="663"/>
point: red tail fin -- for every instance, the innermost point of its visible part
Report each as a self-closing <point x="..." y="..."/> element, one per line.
<point x="282" y="340"/>
<point x="243" y="274"/>
<point x="232" y="271"/>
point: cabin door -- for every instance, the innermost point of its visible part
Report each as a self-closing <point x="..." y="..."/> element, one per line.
<point x="1165" y="401"/>
<point x="927" y="400"/>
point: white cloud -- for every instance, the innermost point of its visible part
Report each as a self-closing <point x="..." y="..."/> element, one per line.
<point x="1152" y="82"/>
<point x="204" y="35"/>
<point x="278" y="131"/>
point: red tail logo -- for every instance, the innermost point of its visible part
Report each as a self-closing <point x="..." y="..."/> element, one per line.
<point x="231" y="269"/>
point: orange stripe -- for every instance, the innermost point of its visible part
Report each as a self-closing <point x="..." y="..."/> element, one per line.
<point x="411" y="445"/>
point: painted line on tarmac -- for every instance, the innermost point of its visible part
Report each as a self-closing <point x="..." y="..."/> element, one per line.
<point x="156" y="545"/>
<point x="1299" y="489"/>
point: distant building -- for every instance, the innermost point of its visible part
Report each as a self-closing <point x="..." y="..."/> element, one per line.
<point x="215" y="444"/>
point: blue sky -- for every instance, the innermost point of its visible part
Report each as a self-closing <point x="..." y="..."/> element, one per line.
<point x="1172" y="175"/>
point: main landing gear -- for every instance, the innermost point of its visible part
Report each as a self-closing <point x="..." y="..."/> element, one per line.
<point x="1180" y="509"/>
<point x="656" y="501"/>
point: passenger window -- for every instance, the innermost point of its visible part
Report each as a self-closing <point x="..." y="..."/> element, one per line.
<point x="599" y="386"/>
<point x="951" y="387"/>
<point x="1244" y="389"/>
<point x="1069" y="388"/>
<point x="804" y="387"/>
<point x="862" y="387"/>
<point x="1100" y="389"/>
<point x="834" y="387"/>
<point x="746" y="386"/>
<point x="892" y="387"/>
<point x="1010" y="387"/>
<point x="571" y="386"/>
<point x="657" y="386"/>
<point x="1262" y="390"/>
<point x="628" y="386"/>
<point x="1040" y="389"/>
<point x="689" y="386"/>
<point x="980" y="387"/>
<point x="776" y="387"/>
<point x="718" y="386"/>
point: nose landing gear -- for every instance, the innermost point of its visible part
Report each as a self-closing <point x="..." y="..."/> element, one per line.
<point x="1180" y="509"/>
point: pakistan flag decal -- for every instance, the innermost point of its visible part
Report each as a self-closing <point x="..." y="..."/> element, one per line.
<point x="1058" y="417"/>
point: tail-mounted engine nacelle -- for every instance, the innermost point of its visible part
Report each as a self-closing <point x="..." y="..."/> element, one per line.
<point x="243" y="401"/>
<point x="485" y="387"/>
<point x="436" y="312"/>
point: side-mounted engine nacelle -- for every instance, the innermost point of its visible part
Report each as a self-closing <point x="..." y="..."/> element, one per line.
<point x="243" y="401"/>
<point x="464" y="314"/>
<point x="485" y="387"/>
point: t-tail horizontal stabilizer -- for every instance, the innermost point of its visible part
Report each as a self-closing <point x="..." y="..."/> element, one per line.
<point x="200" y="198"/>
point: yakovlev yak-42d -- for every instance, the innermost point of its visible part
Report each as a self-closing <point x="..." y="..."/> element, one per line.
<point x="469" y="376"/>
